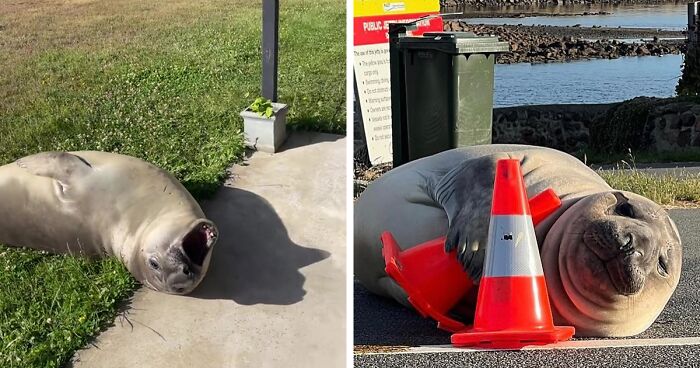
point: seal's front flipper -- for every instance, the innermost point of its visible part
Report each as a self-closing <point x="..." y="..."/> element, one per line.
<point x="61" y="166"/>
<point x="465" y="194"/>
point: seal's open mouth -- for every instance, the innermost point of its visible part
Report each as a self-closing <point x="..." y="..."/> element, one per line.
<point x="196" y="244"/>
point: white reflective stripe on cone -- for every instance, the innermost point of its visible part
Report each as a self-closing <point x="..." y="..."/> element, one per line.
<point x="512" y="247"/>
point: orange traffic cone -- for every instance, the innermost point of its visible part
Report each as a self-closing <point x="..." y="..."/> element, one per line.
<point x="434" y="280"/>
<point x="512" y="307"/>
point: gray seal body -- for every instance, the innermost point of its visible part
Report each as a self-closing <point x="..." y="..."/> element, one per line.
<point x="103" y="204"/>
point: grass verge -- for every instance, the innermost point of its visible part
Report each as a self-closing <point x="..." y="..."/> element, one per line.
<point x="682" y="190"/>
<point x="688" y="155"/>
<point x="160" y="80"/>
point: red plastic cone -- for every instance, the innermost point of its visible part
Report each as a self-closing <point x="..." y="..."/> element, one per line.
<point x="434" y="280"/>
<point x="512" y="307"/>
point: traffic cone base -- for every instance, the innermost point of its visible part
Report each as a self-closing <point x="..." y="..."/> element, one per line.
<point x="512" y="339"/>
<point x="512" y="329"/>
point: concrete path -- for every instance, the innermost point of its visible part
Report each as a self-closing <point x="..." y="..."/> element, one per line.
<point x="395" y="336"/>
<point x="275" y="292"/>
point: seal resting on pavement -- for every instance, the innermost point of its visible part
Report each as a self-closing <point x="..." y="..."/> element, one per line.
<point x="612" y="259"/>
<point x="104" y="204"/>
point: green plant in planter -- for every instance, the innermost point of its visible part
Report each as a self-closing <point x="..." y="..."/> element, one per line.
<point x="262" y="107"/>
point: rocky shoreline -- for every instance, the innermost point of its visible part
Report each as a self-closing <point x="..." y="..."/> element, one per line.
<point x="543" y="44"/>
<point x="491" y="3"/>
<point x="522" y="14"/>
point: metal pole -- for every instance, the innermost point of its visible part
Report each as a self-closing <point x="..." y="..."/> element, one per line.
<point x="270" y="48"/>
<point x="693" y="22"/>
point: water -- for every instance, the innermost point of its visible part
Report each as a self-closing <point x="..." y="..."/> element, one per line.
<point x="586" y="82"/>
<point x="673" y="17"/>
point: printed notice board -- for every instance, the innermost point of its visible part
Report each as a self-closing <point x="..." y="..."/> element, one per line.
<point x="371" y="63"/>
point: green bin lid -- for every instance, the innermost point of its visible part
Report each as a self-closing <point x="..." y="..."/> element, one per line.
<point x="455" y="43"/>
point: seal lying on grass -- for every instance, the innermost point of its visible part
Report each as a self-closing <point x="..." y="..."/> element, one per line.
<point x="104" y="204"/>
<point x="611" y="259"/>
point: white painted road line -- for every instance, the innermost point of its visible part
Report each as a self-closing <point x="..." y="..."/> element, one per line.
<point x="576" y="344"/>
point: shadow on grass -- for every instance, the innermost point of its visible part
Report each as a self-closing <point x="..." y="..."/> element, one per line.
<point x="255" y="261"/>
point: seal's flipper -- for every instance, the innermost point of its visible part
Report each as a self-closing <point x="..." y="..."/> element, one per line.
<point x="465" y="194"/>
<point x="61" y="166"/>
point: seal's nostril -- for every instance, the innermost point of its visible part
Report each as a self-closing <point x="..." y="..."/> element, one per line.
<point x="627" y="244"/>
<point x="186" y="270"/>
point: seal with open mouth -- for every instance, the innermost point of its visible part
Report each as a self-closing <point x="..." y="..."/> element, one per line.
<point x="612" y="259"/>
<point x="104" y="204"/>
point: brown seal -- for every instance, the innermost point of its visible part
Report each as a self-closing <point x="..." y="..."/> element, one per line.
<point x="611" y="259"/>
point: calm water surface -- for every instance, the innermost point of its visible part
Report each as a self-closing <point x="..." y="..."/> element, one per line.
<point x="594" y="81"/>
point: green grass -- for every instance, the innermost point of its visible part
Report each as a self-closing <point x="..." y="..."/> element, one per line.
<point x="671" y="190"/>
<point x="688" y="155"/>
<point x="43" y="321"/>
<point x="160" y="80"/>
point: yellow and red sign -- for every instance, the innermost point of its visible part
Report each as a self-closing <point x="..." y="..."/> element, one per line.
<point x="371" y="62"/>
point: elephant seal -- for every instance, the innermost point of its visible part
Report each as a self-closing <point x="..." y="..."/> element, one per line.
<point x="104" y="204"/>
<point x="611" y="259"/>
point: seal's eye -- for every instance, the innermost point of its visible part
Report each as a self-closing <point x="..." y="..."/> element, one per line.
<point x="625" y="209"/>
<point x="662" y="266"/>
<point x="153" y="264"/>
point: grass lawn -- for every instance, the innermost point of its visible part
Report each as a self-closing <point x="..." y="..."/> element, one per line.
<point x="160" y="80"/>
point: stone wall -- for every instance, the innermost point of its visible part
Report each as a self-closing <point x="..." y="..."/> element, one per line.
<point x="564" y="127"/>
<point x="642" y="124"/>
<point x="676" y="126"/>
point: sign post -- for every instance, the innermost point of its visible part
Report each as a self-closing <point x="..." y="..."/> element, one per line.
<point x="371" y="63"/>
<point x="270" y="48"/>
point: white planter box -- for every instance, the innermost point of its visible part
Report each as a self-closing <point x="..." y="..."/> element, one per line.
<point x="265" y="134"/>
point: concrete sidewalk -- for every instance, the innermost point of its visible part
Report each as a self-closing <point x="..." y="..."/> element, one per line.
<point x="391" y="333"/>
<point x="275" y="292"/>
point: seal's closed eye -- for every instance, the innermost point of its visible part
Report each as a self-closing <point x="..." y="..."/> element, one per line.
<point x="153" y="264"/>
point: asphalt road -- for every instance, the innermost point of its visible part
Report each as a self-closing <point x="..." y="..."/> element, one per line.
<point x="382" y="323"/>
